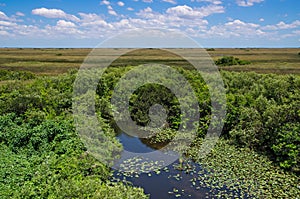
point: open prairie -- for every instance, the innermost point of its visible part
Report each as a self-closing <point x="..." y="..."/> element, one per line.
<point x="55" y="61"/>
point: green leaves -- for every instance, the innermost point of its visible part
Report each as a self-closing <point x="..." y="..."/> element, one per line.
<point x="287" y="147"/>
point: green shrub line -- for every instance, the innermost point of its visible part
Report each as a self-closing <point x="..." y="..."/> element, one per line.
<point x="230" y="61"/>
<point x="15" y="75"/>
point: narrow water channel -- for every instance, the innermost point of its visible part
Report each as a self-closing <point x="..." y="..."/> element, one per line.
<point x="169" y="182"/>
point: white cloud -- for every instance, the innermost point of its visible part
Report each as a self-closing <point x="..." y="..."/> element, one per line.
<point x="170" y="1"/>
<point x="105" y="2"/>
<point x="295" y="33"/>
<point x="13" y="18"/>
<point x="238" y="24"/>
<point x="216" y="2"/>
<point x="183" y="11"/>
<point x="261" y="19"/>
<point x="20" y="14"/>
<point x="236" y="28"/>
<point x="3" y="16"/>
<point x="61" y="29"/>
<point x="188" y="12"/>
<point x="92" y="20"/>
<point x="120" y="3"/>
<point x="211" y="9"/>
<point x="65" y="24"/>
<point x="7" y="23"/>
<point x="247" y="3"/>
<point x="282" y="25"/>
<point x="111" y="11"/>
<point x="148" y="9"/>
<point x="54" y="13"/>
<point x="130" y="9"/>
<point x="174" y="18"/>
<point x="148" y="1"/>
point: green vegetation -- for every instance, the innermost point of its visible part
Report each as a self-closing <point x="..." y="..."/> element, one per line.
<point x="230" y="61"/>
<point x="244" y="172"/>
<point x="15" y="75"/>
<point x="58" y="61"/>
<point x="42" y="155"/>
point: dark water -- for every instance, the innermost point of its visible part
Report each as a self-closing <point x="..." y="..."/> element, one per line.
<point x="170" y="182"/>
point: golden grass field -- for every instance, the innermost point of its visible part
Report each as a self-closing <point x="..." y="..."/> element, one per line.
<point x="57" y="61"/>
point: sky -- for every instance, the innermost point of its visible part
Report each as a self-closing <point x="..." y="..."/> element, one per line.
<point x="212" y="23"/>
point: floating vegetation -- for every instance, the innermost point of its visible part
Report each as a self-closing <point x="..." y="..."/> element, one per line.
<point x="227" y="172"/>
<point x="133" y="166"/>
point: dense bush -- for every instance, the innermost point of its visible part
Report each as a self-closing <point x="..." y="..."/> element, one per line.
<point x="42" y="155"/>
<point x="263" y="114"/>
<point x="210" y="49"/>
<point x="15" y="75"/>
<point x="51" y="94"/>
<point x="229" y="61"/>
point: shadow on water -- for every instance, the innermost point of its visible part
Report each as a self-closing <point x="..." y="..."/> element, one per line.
<point x="173" y="181"/>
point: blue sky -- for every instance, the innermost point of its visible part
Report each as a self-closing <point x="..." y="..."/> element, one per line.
<point x="212" y="23"/>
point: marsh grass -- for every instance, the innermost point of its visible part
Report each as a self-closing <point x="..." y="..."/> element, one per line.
<point x="56" y="61"/>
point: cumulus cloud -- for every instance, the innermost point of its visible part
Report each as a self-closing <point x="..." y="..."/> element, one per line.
<point x="130" y="9"/>
<point x="184" y="12"/>
<point x="61" y="29"/>
<point x="247" y="3"/>
<point x="111" y="11"/>
<point x="282" y="25"/>
<point x="211" y="9"/>
<point x="172" y="18"/>
<point x="120" y="3"/>
<point x="236" y="28"/>
<point x="188" y="12"/>
<point x="54" y="13"/>
<point x="105" y="2"/>
<point x="65" y="24"/>
<point x="238" y="24"/>
<point x="92" y="20"/>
